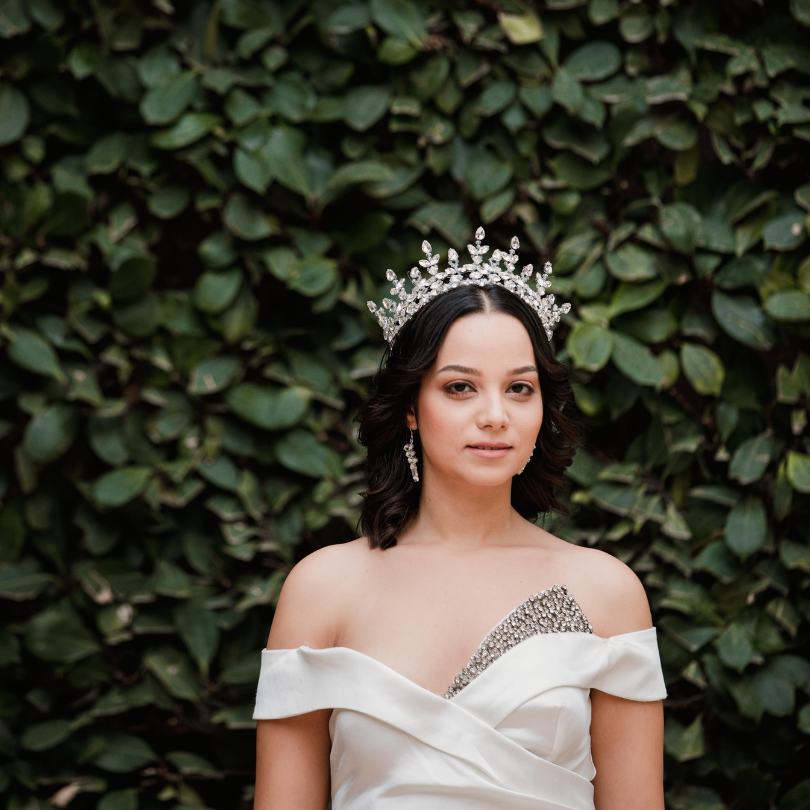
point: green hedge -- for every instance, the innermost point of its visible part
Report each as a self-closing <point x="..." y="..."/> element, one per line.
<point x="197" y="200"/>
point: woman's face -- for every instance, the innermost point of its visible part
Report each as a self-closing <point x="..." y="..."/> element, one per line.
<point x="483" y="387"/>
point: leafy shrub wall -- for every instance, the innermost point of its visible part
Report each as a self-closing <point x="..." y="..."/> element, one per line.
<point x="197" y="200"/>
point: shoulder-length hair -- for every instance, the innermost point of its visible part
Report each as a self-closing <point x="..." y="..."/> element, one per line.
<point x="391" y="500"/>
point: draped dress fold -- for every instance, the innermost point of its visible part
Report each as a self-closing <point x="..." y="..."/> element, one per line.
<point x="515" y="735"/>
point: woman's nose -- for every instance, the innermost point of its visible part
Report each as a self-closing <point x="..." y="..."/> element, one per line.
<point x="494" y="411"/>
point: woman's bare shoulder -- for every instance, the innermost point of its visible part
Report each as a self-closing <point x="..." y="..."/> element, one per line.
<point x="315" y="594"/>
<point x="609" y="591"/>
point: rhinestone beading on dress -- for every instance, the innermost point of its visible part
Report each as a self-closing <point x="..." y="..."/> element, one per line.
<point x="553" y="610"/>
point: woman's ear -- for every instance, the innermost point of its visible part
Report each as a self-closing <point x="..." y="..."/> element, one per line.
<point x="410" y="417"/>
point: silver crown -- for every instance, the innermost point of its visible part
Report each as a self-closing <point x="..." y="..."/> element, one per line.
<point x="394" y="314"/>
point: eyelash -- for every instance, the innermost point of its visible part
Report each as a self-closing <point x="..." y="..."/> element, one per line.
<point x="459" y="393"/>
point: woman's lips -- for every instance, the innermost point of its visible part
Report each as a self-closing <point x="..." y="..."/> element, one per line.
<point x="495" y="452"/>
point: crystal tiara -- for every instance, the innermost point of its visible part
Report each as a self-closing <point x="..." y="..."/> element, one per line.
<point x="395" y="314"/>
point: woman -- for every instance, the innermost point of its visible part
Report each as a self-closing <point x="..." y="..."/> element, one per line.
<point x="457" y="655"/>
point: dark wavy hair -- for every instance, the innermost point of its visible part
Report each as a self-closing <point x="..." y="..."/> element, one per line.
<point x="391" y="500"/>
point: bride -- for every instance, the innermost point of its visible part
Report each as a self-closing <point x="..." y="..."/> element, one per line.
<point x="457" y="655"/>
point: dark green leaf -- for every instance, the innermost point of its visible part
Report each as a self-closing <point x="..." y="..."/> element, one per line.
<point x="269" y="408"/>
<point x="164" y="102"/>
<point x="300" y="451"/>
<point x="593" y="61"/>
<point x="789" y="305"/>
<point x="745" y="527"/>
<point x="703" y="369"/>
<point x="742" y="318"/>
<point x="590" y="345"/>
<point x="118" y="487"/>
<point x="47" y="735"/>
<point x="14" y="113"/>
<point x="400" y="18"/>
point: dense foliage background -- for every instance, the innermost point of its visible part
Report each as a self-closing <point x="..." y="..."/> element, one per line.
<point x="197" y="200"/>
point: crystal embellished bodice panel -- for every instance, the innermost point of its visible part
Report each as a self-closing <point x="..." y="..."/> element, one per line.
<point x="553" y="610"/>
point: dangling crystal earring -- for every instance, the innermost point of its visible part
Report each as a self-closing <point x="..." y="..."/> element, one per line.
<point x="527" y="460"/>
<point x="410" y="454"/>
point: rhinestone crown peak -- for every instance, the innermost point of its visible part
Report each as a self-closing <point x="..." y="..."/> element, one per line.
<point x="394" y="314"/>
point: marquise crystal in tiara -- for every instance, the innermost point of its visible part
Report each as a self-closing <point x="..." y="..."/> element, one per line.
<point x="396" y="312"/>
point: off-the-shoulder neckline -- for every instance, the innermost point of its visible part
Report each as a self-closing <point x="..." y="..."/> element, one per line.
<point x="378" y="662"/>
<point x="370" y="659"/>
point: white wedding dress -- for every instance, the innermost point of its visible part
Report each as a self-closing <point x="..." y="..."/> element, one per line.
<point x="513" y="731"/>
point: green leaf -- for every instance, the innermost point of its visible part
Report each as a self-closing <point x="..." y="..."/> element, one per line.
<point x="788" y="305"/>
<point x="47" y="13"/>
<point x="164" y="102"/>
<point x="681" y="225"/>
<point x="786" y="232"/>
<point x="636" y="24"/>
<point x="776" y="692"/>
<point x="190" y="128"/>
<point x="685" y="744"/>
<point x="213" y="374"/>
<point x="123" y="753"/>
<point x="172" y="669"/>
<point x="133" y="278"/>
<point x="170" y="580"/>
<point x="168" y="202"/>
<point x="29" y="351"/>
<point x="365" y="105"/>
<point x="486" y="173"/>
<point x="521" y="29"/>
<point x="313" y="275"/>
<point x="47" y="735"/>
<point x="357" y="172"/>
<point x="248" y="221"/>
<point x="253" y="169"/>
<point x="50" y="433"/>
<point x="300" y="451"/>
<point x="190" y="764"/>
<point x="631" y="263"/>
<point x="126" y="799"/>
<point x="800" y="9"/>
<point x="703" y="369"/>
<point x="14" y="113"/>
<point x="741" y="318"/>
<point x="284" y="150"/>
<point x="400" y="18"/>
<point x="347" y="18"/>
<point x="745" y="526"/>
<point x="447" y="218"/>
<point x="197" y="626"/>
<point x="19" y="583"/>
<point x="631" y="296"/>
<point x="215" y="291"/>
<point x="579" y="174"/>
<point x="220" y="471"/>
<point x="118" y="487"/>
<point x="735" y="646"/>
<point x="798" y="470"/>
<point x="269" y="408"/>
<point x="751" y="458"/>
<point x="590" y="345"/>
<point x="636" y="361"/>
<point x="57" y="635"/>
<point x="594" y="61"/>
<point x="567" y="91"/>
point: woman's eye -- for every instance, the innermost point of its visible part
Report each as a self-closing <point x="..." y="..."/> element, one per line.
<point x="453" y="387"/>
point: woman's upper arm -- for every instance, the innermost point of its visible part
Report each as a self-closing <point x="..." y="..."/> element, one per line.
<point x="292" y="753"/>
<point x="627" y="736"/>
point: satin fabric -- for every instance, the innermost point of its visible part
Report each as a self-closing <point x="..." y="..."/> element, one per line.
<point x="517" y="736"/>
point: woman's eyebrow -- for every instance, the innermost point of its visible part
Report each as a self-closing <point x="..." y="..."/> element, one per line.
<point x="476" y="373"/>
